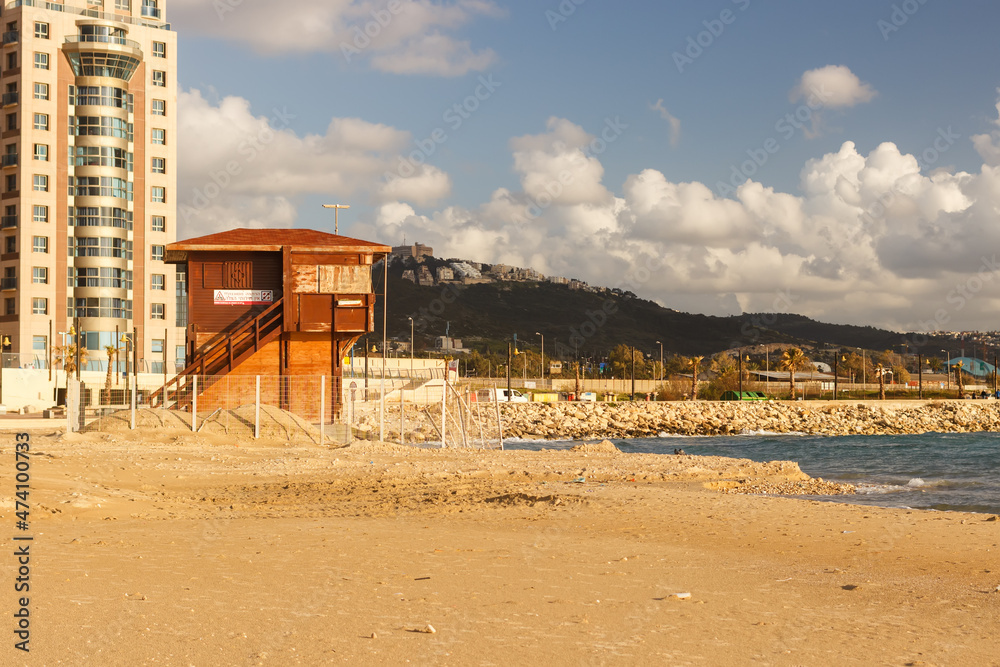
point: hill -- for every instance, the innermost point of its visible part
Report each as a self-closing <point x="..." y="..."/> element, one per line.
<point x="589" y="324"/>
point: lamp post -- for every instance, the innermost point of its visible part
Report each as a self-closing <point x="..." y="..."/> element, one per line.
<point x="661" y="360"/>
<point x="836" y="376"/>
<point x="543" y="357"/>
<point x="336" y="215"/>
<point x="4" y="343"/>
<point x="740" y="355"/>
<point x="920" y="375"/>
<point x="632" y="354"/>
<point x="411" y="345"/>
<point x="948" y="368"/>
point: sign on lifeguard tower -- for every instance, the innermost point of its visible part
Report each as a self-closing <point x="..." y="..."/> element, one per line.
<point x="243" y="297"/>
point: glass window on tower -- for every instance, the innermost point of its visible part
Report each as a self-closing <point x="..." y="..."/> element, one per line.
<point x="41" y="30"/>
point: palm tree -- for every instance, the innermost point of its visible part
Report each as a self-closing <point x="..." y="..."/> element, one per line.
<point x="112" y="352"/>
<point x="792" y="360"/>
<point x="66" y="355"/>
<point x="693" y="363"/>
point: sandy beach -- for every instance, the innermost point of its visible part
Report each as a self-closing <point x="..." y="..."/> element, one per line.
<point x="167" y="548"/>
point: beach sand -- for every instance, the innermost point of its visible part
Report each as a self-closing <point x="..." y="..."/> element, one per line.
<point x="160" y="548"/>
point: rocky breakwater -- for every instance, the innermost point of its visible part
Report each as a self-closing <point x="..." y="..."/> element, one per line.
<point x="585" y="421"/>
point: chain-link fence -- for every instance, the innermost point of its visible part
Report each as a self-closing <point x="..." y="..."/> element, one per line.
<point x="428" y="410"/>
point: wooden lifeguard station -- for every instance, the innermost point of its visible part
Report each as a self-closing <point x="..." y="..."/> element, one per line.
<point x="274" y="302"/>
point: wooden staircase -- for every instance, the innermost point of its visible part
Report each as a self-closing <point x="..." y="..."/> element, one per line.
<point x="223" y="356"/>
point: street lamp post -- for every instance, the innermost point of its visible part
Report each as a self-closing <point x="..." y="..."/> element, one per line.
<point x="336" y="215"/>
<point x="411" y="346"/>
<point x="543" y="357"/>
<point x="4" y="343"/>
<point x="632" y="354"/>
<point x="740" y="356"/>
<point x="661" y="360"/>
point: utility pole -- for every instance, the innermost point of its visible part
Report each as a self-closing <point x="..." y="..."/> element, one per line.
<point x="632" y="350"/>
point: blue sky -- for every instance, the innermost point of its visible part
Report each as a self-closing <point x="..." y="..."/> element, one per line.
<point x="906" y="73"/>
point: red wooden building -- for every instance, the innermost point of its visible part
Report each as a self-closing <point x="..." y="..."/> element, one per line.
<point x="274" y="302"/>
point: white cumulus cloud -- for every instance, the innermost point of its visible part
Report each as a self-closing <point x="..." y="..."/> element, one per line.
<point x="398" y="36"/>
<point x="239" y="169"/>
<point x="833" y="86"/>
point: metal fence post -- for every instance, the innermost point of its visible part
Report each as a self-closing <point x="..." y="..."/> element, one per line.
<point x="135" y="389"/>
<point x="256" y="416"/>
<point x="194" y="404"/>
<point x="444" y="413"/>
<point x="322" y="408"/>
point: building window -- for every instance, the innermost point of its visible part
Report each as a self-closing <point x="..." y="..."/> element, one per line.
<point x="158" y="282"/>
<point x="39" y="306"/>
<point x="11" y="182"/>
<point x="159" y="78"/>
<point x="157" y="253"/>
<point x="42" y="152"/>
<point x="40" y="183"/>
<point x="12" y="60"/>
<point x="159" y="223"/>
<point x="40" y="275"/>
<point x="40" y="244"/>
<point x="159" y="108"/>
<point x="9" y="307"/>
<point x="40" y="343"/>
<point x="159" y="195"/>
<point x="41" y="91"/>
<point x="159" y="50"/>
<point x="10" y="245"/>
<point x="123" y="5"/>
<point x="159" y="165"/>
<point x="41" y="121"/>
<point x="159" y="136"/>
<point x="157" y="311"/>
<point x="41" y="30"/>
<point x="41" y="61"/>
<point x="40" y="213"/>
<point x="158" y="345"/>
<point x="11" y="121"/>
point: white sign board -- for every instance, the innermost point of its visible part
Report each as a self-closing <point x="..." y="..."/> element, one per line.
<point x="243" y="297"/>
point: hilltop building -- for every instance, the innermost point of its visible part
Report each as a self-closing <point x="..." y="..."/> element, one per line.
<point x="416" y="251"/>
<point x="89" y="184"/>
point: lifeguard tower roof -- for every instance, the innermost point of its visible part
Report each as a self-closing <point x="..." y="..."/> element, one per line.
<point x="271" y="240"/>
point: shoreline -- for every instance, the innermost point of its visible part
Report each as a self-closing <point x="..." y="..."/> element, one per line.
<point x="301" y="554"/>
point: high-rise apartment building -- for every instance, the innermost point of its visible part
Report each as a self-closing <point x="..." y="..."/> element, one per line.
<point x="88" y="177"/>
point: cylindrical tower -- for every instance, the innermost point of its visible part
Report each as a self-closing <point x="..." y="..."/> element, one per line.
<point x="101" y="180"/>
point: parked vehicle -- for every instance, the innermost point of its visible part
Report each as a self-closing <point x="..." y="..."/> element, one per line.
<point x="491" y="395"/>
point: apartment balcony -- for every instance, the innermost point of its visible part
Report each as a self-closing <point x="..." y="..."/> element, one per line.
<point x="11" y="37"/>
<point x="9" y="160"/>
<point x="8" y="284"/>
<point x="8" y="222"/>
<point x="152" y="13"/>
<point x="104" y="39"/>
<point x="10" y="99"/>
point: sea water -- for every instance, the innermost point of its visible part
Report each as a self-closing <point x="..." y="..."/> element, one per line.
<point x="959" y="472"/>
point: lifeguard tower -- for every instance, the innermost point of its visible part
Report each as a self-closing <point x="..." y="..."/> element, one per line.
<point x="272" y="302"/>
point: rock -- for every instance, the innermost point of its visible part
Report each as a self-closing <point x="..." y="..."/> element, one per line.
<point x="604" y="447"/>
<point x="681" y="596"/>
